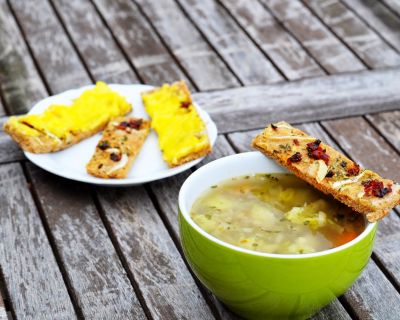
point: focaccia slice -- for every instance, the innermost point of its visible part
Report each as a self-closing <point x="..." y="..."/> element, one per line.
<point x="329" y="170"/>
<point x="118" y="148"/>
<point x="182" y="134"/>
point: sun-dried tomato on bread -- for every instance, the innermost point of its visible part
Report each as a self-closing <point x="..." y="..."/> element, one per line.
<point x="118" y="147"/>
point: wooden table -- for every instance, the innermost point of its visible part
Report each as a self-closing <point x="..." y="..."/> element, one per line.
<point x="69" y="250"/>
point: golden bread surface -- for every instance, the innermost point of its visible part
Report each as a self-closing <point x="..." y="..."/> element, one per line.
<point x="118" y="148"/>
<point x="182" y="134"/>
<point x="329" y="170"/>
<point x="61" y="126"/>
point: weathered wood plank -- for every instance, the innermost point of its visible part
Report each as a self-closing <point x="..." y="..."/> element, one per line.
<point x="303" y="101"/>
<point x="9" y="150"/>
<point x="165" y="283"/>
<point x="31" y="274"/>
<point x="204" y="66"/>
<point x="241" y="141"/>
<point x="20" y="82"/>
<point x="333" y="311"/>
<point x="365" y="145"/>
<point x="167" y="190"/>
<point x="377" y="300"/>
<point x="99" y="282"/>
<point x="314" y="36"/>
<point x="388" y="124"/>
<point x="272" y="38"/>
<point x="152" y="61"/>
<point x="3" y="313"/>
<point x="373" y="296"/>
<point x="394" y="5"/>
<point x="387" y="246"/>
<point x="378" y="17"/>
<point x="50" y="45"/>
<point x="374" y="51"/>
<point x="2" y="111"/>
<point x="226" y="37"/>
<point x="94" y="42"/>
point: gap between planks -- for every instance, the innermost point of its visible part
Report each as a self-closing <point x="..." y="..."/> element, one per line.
<point x="307" y="100"/>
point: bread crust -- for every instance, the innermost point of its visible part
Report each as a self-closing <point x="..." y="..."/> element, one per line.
<point x="192" y="156"/>
<point x="118" y="148"/>
<point x="43" y="142"/>
<point x="281" y="141"/>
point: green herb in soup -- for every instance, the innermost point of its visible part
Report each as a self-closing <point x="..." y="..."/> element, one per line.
<point x="275" y="213"/>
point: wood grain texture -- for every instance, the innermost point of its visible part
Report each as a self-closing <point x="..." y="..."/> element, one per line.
<point x="20" y="82"/>
<point x="31" y="274"/>
<point x="2" y="110"/>
<point x="222" y="148"/>
<point x="394" y="5"/>
<point x="387" y="246"/>
<point x="379" y="17"/>
<point x="166" y="285"/>
<point x="139" y="41"/>
<point x="314" y="36"/>
<point x="333" y="311"/>
<point x="50" y="45"/>
<point x="283" y="49"/>
<point x="166" y="192"/>
<point x="99" y="282"/>
<point x="226" y="37"/>
<point x="365" y="145"/>
<point x="368" y="46"/>
<point x="373" y="296"/>
<point x="303" y="101"/>
<point x="9" y="150"/>
<point x="388" y="124"/>
<point x="196" y="56"/>
<point x="94" y="42"/>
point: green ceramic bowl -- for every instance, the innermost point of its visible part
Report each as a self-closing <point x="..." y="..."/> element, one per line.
<point x="260" y="285"/>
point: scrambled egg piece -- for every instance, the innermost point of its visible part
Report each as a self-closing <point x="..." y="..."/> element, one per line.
<point x="92" y="110"/>
<point x="182" y="134"/>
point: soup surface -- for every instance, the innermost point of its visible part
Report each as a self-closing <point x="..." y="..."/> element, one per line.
<point x="275" y="213"/>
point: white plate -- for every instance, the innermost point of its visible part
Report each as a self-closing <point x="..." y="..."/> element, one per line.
<point x="148" y="166"/>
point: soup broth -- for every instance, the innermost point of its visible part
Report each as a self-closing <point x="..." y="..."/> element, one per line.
<point x="275" y="213"/>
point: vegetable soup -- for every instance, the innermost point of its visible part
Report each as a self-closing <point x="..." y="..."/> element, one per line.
<point x="275" y="213"/>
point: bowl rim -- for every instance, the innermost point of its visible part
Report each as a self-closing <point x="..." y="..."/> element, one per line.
<point x="186" y="215"/>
